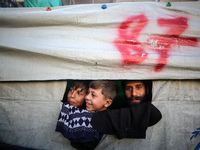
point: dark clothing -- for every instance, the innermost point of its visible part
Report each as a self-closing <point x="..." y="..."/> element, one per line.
<point x="87" y="145"/>
<point x="128" y="122"/>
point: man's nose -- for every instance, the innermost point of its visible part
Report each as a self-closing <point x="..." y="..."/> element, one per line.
<point x="134" y="92"/>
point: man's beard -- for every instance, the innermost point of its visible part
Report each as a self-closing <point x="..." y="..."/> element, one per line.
<point x="136" y="100"/>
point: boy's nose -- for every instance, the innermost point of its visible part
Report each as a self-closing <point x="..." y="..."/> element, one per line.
<point x="73" y="94"/>
<point x="86" y="97"/>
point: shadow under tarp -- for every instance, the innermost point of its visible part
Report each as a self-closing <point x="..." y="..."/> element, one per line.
<point x="119" y="100"/>
<point x="4" y="146"/>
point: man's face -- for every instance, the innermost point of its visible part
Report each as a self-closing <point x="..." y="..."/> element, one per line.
<point x="135" y="92"/>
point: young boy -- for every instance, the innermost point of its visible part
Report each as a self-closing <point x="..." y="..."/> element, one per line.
<point x="77" y="93"/>
<point x="100" y="95"/>
<point x="73" y="118"/>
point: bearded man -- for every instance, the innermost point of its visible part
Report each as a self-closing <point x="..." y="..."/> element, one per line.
<point x="137" y="91"/>
<point x="133" y="120"/>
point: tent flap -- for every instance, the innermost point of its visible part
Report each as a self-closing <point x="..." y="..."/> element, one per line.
<point x="124" y="41"/>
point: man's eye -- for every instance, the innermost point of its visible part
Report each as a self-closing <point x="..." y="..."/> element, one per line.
<point x="139" y="87"/>
<point x="128" y="88"/>
<point x="71" y="90"/>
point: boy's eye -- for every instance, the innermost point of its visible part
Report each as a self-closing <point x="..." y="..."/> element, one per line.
<point x="79" y="93"/>
<point x="93" y="95"/>
<point x="71" y="90"/>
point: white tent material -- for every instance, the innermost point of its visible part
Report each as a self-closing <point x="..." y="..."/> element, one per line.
<point x="29" y="113"/>
<point x="126" y="40"/>
<point x="40" y="50"/>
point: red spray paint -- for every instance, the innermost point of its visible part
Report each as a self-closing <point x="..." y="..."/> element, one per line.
<point x="130" y="48"/>
<point x="133" y="51"/>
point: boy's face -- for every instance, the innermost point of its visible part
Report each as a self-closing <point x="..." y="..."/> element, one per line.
<point x="95" y="100"/>
<point x="76" y="97"/>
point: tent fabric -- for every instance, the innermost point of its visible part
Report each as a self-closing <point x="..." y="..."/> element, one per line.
<point x="29" y="113"/>
<point x="40" y="50"/>
<point x="124" y="41"/>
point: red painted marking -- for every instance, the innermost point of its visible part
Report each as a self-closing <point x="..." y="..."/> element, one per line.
<point x="132" y="50"/>
<point x="128" y="44"/>
<point x="171" y="38"/>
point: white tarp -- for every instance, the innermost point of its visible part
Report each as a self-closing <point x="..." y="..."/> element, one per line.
<point x="127" y="40"/>
<point x="29" y="113"/>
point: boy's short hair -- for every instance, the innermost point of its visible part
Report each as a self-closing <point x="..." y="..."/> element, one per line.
<point x="83" y="84"/>
<point x="109" y="87"/>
